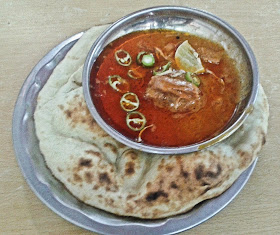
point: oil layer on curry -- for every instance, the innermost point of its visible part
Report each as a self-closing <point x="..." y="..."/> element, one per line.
<point x="165" y="88"/>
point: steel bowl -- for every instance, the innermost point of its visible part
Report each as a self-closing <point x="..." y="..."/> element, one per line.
<point x="196" y="22"/>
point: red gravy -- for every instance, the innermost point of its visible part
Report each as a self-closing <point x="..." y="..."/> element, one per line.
<point x="169" y="129"/>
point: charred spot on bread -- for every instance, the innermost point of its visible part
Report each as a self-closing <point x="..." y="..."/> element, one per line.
<point x="129" y="168"/>
<point x="88" y="177"/>
<point x="68" y="113"/>
<point x="104" y="178"/>
<point x="77" y="177"/>
<point x="155" y="195"/>
<point x="212" y="174"/>
<point x="185" y="174"/>
<point x="94" y="153"/>
<point x="200" y="172"/>
<point x="111" y="147"/>
<point x="173" y="185"/>
<point x="85" y="162"/>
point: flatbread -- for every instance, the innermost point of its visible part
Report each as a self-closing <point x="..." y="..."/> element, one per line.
<point x="106" y="174"/>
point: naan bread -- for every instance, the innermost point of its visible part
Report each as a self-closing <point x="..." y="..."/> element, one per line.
<point x="104" y="173"/>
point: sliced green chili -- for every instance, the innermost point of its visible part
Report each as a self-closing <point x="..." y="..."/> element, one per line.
<point x="135" y="120"/>
<point x="139" y="57"/>
<point x="193" y="78"/>
<point x="132" y="74"/>
<point x="188" y="77"/>
<point x="148" y="60"/>
<point x="145" y="59"/>
<point x="123" y="57"/>
<point x="129" y="102"/>
<point x="118" y="83"/>
<point x="162" y="69"/>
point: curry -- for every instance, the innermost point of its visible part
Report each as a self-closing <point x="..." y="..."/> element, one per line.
<point x="165" y="88"/>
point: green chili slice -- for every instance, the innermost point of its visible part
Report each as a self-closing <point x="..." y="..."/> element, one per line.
<point x="145" y="59"/>
<point x="135" y="120"/>
<point x="123" y="57"/>
<point x="162" y="69"/>
<point x="148" y="60"/>
<point x="129" y="102"/>
<point x="188" y="77"/>
<point x="118" y="83"/>
<point x="134" y="75"/>
<point x="191" y="77"/>
<point x="139" y="57"/>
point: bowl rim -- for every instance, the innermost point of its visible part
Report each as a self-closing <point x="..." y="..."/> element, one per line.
<point x="181" y="149"/>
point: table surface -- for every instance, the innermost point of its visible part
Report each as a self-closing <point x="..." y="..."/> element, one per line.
<point x="29" y="29"/>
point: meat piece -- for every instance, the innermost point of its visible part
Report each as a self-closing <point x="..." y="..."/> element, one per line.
<point x="210" y="55"/>
<point x="174" y="94"/>
<point x="168" y="51"/>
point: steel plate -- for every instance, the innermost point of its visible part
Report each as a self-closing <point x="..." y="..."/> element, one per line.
<point x="52" y="192"/>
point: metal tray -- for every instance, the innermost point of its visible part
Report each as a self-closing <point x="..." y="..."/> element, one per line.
<point x="57" y="198"/>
